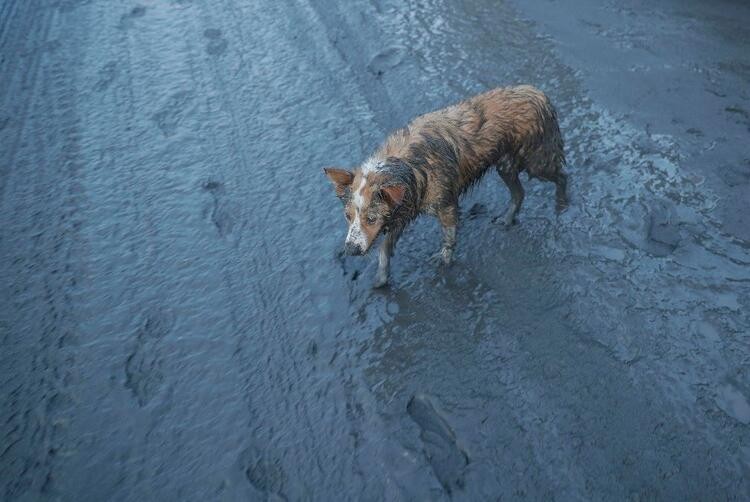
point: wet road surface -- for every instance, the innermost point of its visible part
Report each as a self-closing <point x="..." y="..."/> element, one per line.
<point x="176" y="322"/>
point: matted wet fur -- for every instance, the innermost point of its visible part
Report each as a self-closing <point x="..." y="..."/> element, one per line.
<point x="427" y="165"/>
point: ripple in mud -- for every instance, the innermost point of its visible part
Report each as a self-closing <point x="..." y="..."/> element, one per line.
<point x="447" y="459"/>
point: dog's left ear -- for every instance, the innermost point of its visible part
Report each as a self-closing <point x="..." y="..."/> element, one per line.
<point x="341" y="179"/>
<point x="393" y="194"/>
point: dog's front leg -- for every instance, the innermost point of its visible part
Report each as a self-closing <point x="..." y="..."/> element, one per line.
<point x="384" y="258"/>
<point x="448" y="217"/>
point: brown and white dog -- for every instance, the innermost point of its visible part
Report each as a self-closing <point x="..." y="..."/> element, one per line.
<point x="426" y="166"/>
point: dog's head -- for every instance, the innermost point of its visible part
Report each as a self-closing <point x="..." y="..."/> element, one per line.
<point x="369" y="198"/>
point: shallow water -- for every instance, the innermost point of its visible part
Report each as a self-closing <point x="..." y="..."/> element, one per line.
<point x="177" y="321"/>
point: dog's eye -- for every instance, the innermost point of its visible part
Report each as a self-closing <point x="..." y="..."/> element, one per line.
<point x="371" y="220"/>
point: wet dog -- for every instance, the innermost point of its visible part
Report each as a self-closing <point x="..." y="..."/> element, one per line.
<point x="426" y="166"/>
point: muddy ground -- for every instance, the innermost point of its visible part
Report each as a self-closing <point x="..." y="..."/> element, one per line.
<point x="177" y="324"/>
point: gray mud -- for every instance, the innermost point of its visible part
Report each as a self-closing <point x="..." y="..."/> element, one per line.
<point x="176" y="322"/>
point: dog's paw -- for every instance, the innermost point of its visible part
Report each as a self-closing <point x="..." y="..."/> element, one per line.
<point x="446" y="256"/>
<point x="381" y="281"/>
<point x="505" y="221"/>
<point x="442" y="258"/>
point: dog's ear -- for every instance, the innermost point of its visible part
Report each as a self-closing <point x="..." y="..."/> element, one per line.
<point x="393" y="194"/>
<point x="341" y="179"/>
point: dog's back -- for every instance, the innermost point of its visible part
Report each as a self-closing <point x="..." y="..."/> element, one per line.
<point x="514" y="128"/>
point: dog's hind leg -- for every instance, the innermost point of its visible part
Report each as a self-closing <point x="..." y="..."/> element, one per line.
<point x="510" y="177"/>
<point x="560" y="179"/>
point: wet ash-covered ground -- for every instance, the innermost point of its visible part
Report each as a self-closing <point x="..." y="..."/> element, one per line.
<point x="177" y="322"/>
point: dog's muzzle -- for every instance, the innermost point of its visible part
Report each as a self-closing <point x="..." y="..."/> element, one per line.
<point x="354" y="249"/>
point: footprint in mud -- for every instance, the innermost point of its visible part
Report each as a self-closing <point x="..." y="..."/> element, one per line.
<point x="143" y="373"/>
<point x="223" y="219"/>
<point x="169" y="117"/>
<point x="733" y="402"/>
<point x="222" y="213"/>
<point x="126" y="20"/>
<point x="213" y="185"/>
<point x="263" y="473"/>
<point x="385" y="60"/>
<point x="448" y="460"/>
<point x="216" y="45"/>
<point x="384" y="6"/>
<point x="663" y="229"/>
<point x="734" y="175"/>
<point x="107" y="75"/>
<point x="742" y="115"/>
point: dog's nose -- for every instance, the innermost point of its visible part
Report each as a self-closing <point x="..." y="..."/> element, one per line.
<point x="352" y="248"/>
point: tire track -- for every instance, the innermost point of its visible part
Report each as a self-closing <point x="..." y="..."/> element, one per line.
<point x="124" y="242"/>
<point x="143" y="367"/>
<point x="19" y="68"/>
<point x="54" y="251"/>
<point x="257" y="463"/>
<point x="276" y="319"/>
<point x="149" y="253"/>
<point x="8" y="11"/>
<point x="24" y="428"/>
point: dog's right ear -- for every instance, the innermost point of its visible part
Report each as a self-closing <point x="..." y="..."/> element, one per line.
<point x="341" y="179"/>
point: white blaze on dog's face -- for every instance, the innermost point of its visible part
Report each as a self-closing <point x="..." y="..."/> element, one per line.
<point x="367" y="204"/>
